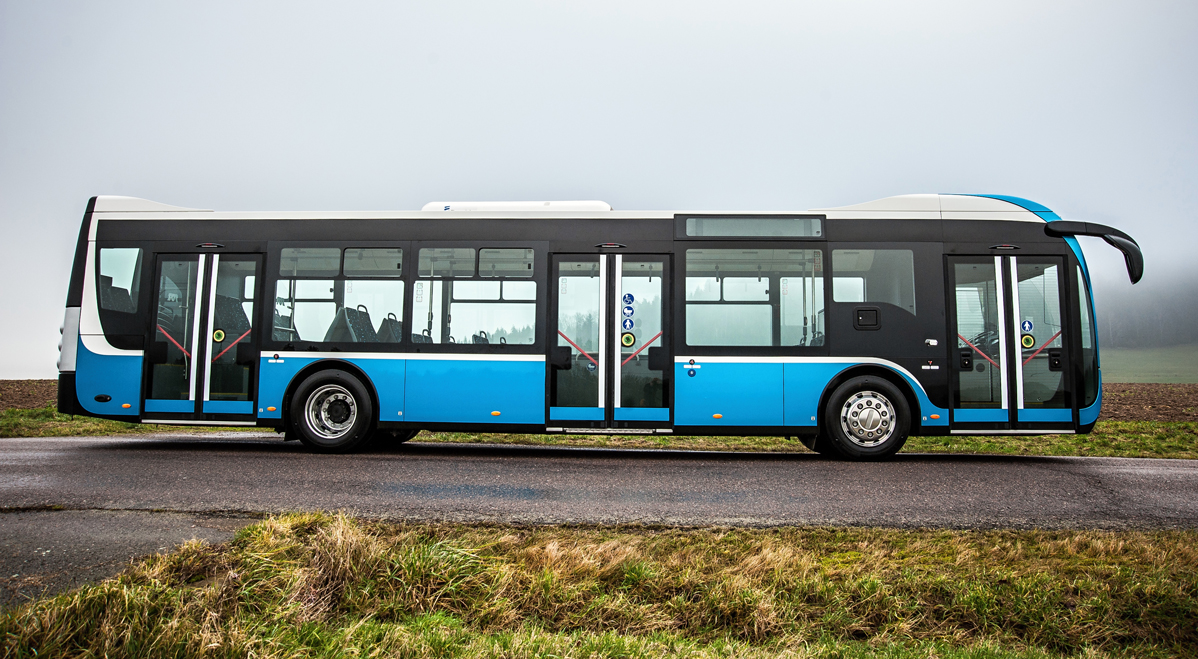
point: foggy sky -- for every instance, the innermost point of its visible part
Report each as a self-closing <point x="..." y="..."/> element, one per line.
<point x="1090" y="108"/>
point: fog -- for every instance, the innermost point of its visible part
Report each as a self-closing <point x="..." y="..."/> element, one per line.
<point x="1090" y="108"/>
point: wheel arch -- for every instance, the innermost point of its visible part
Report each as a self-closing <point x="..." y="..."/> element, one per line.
<point x="888" y="374"/>
<point x="328" y="365"/>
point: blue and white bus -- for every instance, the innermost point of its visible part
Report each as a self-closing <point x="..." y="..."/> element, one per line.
<point x="850" y="328"/>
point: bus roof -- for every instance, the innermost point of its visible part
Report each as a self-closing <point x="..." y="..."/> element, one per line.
<point x="913" y="206"/>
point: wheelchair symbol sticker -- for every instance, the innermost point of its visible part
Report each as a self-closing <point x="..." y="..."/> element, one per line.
<point x="628" y="299"/>
<point x="627" y="324"/>
<point x="1026" y="326"/>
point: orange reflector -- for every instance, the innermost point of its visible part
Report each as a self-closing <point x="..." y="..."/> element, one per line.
<point x="717" y="416"/>
<point x="270" y="409"/>
<point x="126" y="406"/>
<point x="935" y="416"/>
<point x="495" y="413"/>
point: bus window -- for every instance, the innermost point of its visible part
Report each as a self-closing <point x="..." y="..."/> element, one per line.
<point x="1089" y="345"/>
<point x="452" y="309"/>
<point x="741" y="225"/>
<point x="317" y="303"/>
<point x="754" y="297"/>
<point x="120" y="279"/>
<point x="874" y="275"/>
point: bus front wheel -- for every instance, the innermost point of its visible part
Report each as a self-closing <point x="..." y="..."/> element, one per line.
<point x="332" y="412"/>
<point x="867" y="418"/>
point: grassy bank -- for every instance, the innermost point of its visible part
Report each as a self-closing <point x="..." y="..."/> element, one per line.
<point x="1172" y="364"/>
<point x="47" y="422"/>
<point x="1128" y="439"/>
<point x="316" y="585"/>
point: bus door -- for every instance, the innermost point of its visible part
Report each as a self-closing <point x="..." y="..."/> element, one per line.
<point x="201" y="349"/>
<point x="1009" y="360"/>
<point x="609" y="344"/>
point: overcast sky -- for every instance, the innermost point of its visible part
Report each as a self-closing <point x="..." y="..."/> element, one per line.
<point x="1090" y="108"/>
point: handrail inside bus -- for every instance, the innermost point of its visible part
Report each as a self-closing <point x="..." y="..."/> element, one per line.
<point x="979" y="351"/>
<point x="584" y="352"/>
<point x="1038" y="350"/>
<point x="1114" y="237"/>
<point x="172" y="340"/>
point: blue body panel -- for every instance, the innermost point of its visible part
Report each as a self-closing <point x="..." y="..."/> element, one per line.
<point x="987" y="415"/>
<point x="170" y="406"/>
<point x="1089" y="415"/>
<point x="804" y="384"/>
<point x="576" y="414"/>
<point x="1045" y="415"/>
<point x="118" y="376"/>
<point x="468" y="391"/>
<point x="386" y="375"/>
<point x="743" y="394"/>
<point x="642" y="414"/>
<point x="229" y="407"/>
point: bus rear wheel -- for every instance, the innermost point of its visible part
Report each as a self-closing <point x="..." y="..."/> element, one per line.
<point x="331" y="412"/>
<point x="867" y="418"/>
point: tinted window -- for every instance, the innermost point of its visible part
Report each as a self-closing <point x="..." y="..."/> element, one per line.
<point x="310" y="262"/>
<point x="505" y="263"/>
<point x="373" y="262"/>
<point x="747" y="226"/>
<point x="446" y="262"/>
<point x="120" y="279"/>
<point x="874" y="275"/>
<point x="754" y="297"/>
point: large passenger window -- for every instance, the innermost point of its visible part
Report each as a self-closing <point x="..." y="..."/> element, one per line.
<point x="120" y="279"/>
<point x="754" y="297"/>
<point x="1089" y="343"/>
<point x="874" y="275"/>
<point x="325" y="296"/>
<point x="454" y="304"/>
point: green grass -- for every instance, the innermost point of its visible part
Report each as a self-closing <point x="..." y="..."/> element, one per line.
<point x="314" y="585"/>
<point x="1126" y="439"/>
<point x="47" y="422"/>
<point x="1166" y="365"/>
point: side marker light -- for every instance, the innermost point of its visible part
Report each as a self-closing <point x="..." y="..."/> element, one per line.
<point x="126" y="405"/>
<point x="271" y="409"/>
<point x="935" y="416"/>
<point x="495" y="413"/>
<point x="717" y="416"/>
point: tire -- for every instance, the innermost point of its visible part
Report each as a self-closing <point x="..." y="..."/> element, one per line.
<point x="393" y="437"/>
<point x="867" y="418"/>
<point x="820" y="444"/>
<point x="331" y="412"/>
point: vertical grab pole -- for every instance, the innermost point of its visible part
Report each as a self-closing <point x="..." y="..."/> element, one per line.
<point x="617" y="367"/>
<point x="1000" y="294"/>
<point x="1015" y="320"/>
<point x="209" y="327"/>
<point x="195" y="327"/>
<point x="603" y="331"/>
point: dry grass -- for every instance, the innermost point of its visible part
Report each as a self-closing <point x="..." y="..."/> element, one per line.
<point x="317" y="585"/>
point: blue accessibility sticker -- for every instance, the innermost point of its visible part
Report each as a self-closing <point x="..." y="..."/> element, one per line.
<point x="627" y="324"/>
<point x="1026" y="326"/>
<point x="628" y="312"/>
<point x="590" y="367"/>
<point x="628" y="299"/>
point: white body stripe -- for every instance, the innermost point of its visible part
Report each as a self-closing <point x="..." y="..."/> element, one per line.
<point x="618" y="305"/>
<point x="602" y="330"/>
<point x="195" y="327"/>
<point x="410" y="356"/>
<point x="208" y="329"/>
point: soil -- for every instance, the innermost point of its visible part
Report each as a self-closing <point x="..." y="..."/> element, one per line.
<point x="1149" y="402"/>
<point x="28" y="394"/>
<point x="1120" y="402"/>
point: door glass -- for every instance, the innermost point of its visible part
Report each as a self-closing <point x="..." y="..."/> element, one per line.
<point x="1038" y="314"/>
<point x="978" y="340"/>
<point x="640" y="330"/>
<point x="171" y="369"/>
<point x="231" y="330"/>
<point x="578" y="300"/>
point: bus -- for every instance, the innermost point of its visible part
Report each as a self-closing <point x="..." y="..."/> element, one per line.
<point x="849" y="328"/>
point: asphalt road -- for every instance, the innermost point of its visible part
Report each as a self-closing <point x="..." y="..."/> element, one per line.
<point x="563" y="485"/>
<point x="76" y="510"/>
